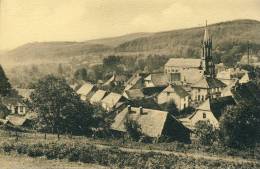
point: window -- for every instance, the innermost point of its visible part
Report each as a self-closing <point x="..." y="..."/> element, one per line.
<point x="184" y="106"/>
<point x="168" y="93"/>
<point x="204" y="115"/>
<point x="198" y="97"/>
<point x="202" y="98"/>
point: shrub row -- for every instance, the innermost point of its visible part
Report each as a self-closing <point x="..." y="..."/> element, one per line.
<point x="114" y="157"/>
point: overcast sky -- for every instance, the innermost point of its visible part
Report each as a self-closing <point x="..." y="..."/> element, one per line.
<point x="24" y="21"/>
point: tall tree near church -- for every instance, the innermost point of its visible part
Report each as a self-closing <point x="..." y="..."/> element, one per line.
<point x="5" y="86"/>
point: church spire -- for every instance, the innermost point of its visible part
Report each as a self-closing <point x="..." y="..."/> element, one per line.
<point x="206" y="33"/>
<point x="206" y="57"/>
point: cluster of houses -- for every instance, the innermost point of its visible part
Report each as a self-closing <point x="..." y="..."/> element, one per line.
<point x="18" y="113"/>
<point x="197" y="83"/>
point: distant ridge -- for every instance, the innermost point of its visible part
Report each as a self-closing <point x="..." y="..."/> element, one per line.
<point x="182" y="42"/>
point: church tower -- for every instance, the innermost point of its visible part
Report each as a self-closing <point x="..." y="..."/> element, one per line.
<point x="206" y="57"/>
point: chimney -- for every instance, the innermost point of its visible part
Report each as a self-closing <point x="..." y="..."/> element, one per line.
<point x="141" y="110"/>
<point x="129" y="108"/>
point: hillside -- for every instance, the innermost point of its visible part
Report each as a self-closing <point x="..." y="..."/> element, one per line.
<point x="229" y="38"/>
<point x="186" y="42"/>
<point x="115" y="41"/>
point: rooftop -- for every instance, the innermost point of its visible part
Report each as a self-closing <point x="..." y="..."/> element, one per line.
<point x="151" y="121"/>
<point x="183" y="62"/>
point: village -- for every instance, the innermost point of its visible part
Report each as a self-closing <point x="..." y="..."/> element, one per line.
<point x="170" y="111"/>
<point x="197" y="90"/>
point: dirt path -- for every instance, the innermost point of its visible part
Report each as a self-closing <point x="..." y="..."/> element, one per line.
<point x="191" y="155"/>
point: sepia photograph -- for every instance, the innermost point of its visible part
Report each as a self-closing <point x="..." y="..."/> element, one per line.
<point x="129" y="84"/>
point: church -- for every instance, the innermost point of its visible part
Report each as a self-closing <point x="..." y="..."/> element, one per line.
<point x="198" y="74"/>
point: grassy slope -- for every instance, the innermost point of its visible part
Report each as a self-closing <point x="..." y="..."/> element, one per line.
<point x="23" y="162"/>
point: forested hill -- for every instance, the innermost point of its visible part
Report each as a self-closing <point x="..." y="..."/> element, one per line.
<point x="229" y="39"/>
<point x="185" y="42"/>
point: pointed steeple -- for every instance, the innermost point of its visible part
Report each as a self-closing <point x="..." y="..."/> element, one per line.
<point x="206" y="33"/>
<point x="206" y="58"/>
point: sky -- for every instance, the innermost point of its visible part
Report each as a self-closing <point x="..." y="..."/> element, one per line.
<point x="24" y="21"/>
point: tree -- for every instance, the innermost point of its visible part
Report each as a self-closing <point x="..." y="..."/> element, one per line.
<point x="205" y="132"/>
<point x="59" y="108"/>
<point x="133" y="129"/>
<point x="4" y="111"/>
<point x="239" y="125"/>
<point x="111" y="60"/>
<point x="5" y="86"/>
<point x="81" y="74"/>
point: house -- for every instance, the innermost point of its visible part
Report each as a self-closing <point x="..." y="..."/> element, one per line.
<point x="211" y="110"/>
<point x="98" y="96"/>
<point x="153" y="123"/>
<point x="230" y="75"/>
<point x="86" y="91"/>
<point x="133" y="94"/>
<point x="220" y="67"/>
<point x="155" y="80"/>
<point x="182" y="70"/>
<point x="116" y="80"/>
<point x="248" y="76"/>
<point x="15" y="105"/>
<point x="136" y="81"/>
<point x="18" y="121"/>
<point x="174" y="93"/>
<point x="227" y="91"/>
<point x="113" y="101"/>
<point x="24" y="93"/>
<point x="207" y="87"/>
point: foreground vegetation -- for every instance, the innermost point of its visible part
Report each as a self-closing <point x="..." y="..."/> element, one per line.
<point x="114" y="157"/>
<point x="15" y="161"/>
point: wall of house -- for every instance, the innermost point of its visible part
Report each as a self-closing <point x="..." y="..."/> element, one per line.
<point x="201" y="115"/>
<point x="181" y="103"/>
<point x="184" y="102"/>
<point x="199" y="94"/>
<point x="165" y="97"/>
<point x="148" y="83"/>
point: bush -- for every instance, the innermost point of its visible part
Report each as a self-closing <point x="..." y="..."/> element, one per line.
<point x="205" y="132"/>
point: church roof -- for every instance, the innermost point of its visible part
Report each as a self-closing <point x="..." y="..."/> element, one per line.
<point x="209" y="83"/>
<point x="183" y="62"/>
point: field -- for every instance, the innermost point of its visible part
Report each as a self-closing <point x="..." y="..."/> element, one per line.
<point x="24" y="162"/>
<point x="116" y="154"/>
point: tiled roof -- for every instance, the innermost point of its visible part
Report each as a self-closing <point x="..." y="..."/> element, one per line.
<point x="151" y="121"/>
<point x="176" y="89"/>
<point x="98" y="96"/>
<point x="134" y="93"/>
<point x="12" y="101"/>
<point x="25" y="93"/>
<point x="185" y="63"/>
<point x="16" y="120"/>
<point x="158" y="79"/>
<point x="209" y="83"/>
<point x="192" y="76"/>
<point x="85" y="89"/>
<point x="111" y="99"/>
